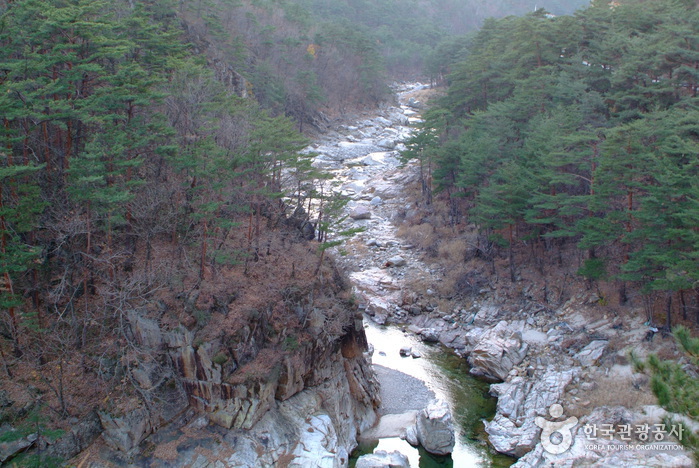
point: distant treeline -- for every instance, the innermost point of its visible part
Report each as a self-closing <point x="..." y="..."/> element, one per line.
<point x="300" y="56"/>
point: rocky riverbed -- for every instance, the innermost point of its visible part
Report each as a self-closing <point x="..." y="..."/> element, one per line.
<point x="574" y="355"/>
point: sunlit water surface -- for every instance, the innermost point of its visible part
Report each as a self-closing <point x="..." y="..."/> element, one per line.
<point x="447" y="376"/>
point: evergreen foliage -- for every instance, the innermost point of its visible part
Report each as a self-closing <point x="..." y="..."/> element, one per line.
<point x="676" y="385"/>
<point x="582" y="129"/>
<point x="116" y="138"/>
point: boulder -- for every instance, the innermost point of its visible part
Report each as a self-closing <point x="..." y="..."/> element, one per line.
<point x="497" y="352"/>
<point x="398" y="118"/>
<point x="383" y="122"/>
<point x="146" y="331"/>
<point x="126" y="432"/>
<point x="435" y="428"/>
<point x="5" y="401"/>
<point x="396" y="261"/>
<point x="386" y="143"/>
<point x="361" y="212"/>
<point x="589" y="355"/>
<point x="308" y="230"/>
<point x="429" y="335"/>
<point x="411" y="436"/>
<point x="380" y="318"/>
<point x="513" y="430"/>
<point x="405" y="351"/>
<point x="9" y="450"/>
<point x="370" y="161"/>
<point x="414" y="103"/>
<point x="383" y="459"/>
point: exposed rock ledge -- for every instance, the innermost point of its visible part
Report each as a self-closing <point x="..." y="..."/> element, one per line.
<point x="305" y="409"/>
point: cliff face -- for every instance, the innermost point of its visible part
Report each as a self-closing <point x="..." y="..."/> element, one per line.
<point x="301" y="400"/>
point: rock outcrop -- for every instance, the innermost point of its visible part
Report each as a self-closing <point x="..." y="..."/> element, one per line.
<point x="513" y="430"/>
<point x="589" y="355"/>
<point x="497" y="352"/>
<point x="293" y="403"/>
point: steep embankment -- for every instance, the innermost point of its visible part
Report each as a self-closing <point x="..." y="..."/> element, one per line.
<point x="257" y="395"/>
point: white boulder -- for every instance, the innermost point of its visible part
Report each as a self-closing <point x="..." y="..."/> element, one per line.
<point x="435" y="428"/>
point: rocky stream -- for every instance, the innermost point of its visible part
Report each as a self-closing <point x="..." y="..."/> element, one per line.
<point x="529" y="360"/>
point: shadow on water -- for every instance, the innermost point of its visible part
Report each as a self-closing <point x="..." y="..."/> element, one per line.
<point x="447" y="375"/>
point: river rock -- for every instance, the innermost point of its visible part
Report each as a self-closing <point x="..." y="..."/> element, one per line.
<point x="370" y="161"/>
<point x="414" y="103"/>
<point x="405" y="351"/>
<point x="411" y="436"/>
<point x="453" y="339"/>
<point x="396" y="261"/>
<point x="513" y="430"/>
<point x="435" y="428"/>
<point x="497" y="352"/>
<point x="382" y="122"/>
<point x="323" y="161"/>
<point x="387" y="190"/>
<point x="349" y="150"/>
<point x="379" y="318"/>
<point x="376" y="201"/>
<point x="386" y="143"/>
<point x="383" y="459"/>
<point x="429" y="335"/>
<point x="397" y="118"/>
<point x="361" y="212"/>
<point x="589" y="355"/>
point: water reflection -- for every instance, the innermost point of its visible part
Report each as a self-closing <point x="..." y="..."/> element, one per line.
<point x="419" y="458"/>
<point x="447" y="376"/>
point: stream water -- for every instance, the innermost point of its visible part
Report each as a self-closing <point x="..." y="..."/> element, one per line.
<point x="447" y="376"/>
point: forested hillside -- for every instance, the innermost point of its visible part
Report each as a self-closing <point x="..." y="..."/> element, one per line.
<point x="134" y="182"/>
<point x="574" y="140"/>
<point x="304" y="58"/>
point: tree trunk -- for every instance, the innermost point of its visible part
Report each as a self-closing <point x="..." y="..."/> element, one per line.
<point x="510" y="255"/>
<point x="8" y="287"/>
<point x="202" y="261"/>
<point x="684" y="305"/>
<point x="622" y="293"/>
